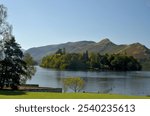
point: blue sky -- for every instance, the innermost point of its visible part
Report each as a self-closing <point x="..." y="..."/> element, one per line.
<point x="44" y="22"/>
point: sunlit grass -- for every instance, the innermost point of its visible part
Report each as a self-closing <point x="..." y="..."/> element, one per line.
<point x="49" y="95"/>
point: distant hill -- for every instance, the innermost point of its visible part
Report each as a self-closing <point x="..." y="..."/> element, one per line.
<point x="136" y="50"/>
<point x="39" y="52"/>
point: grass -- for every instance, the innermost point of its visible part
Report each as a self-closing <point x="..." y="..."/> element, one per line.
<point x="48" y="95"/>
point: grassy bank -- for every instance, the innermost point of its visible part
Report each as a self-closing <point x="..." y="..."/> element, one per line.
<point x="48" y="95"/>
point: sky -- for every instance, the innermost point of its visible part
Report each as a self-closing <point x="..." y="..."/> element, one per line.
<point x="45" y="22"/>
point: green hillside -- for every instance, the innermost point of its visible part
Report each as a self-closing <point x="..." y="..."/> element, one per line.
<point x="137" y="50"/>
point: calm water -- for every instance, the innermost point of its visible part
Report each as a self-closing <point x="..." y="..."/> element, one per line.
<point x="131" y="83"/>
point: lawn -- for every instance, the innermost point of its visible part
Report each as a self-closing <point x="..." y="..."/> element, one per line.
<point x="48" y="95"/>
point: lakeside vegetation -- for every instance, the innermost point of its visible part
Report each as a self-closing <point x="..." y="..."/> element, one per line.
<point x="90" y="61"/>
<point x="146" y="65"/>
<point x="49" y="95"/>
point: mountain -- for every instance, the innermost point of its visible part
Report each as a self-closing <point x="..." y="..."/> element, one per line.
<point x="39" y="52"/>
<point x="136" y="50"/>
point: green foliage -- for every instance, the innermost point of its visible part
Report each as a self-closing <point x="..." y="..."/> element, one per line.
<point x="28" y="59"/>
<point x="74" y="83"/>
<point x="146" y="65"/>
<point x="30" y="70"/>
<point x="125" y="63"/>
<point x="91" y="61"/>
<point x="72" y="61"/>
<point x="61" y="51"/>
<point x="13" y="69"/>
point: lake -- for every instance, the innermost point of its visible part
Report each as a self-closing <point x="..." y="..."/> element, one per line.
<point x="130" y="83"/>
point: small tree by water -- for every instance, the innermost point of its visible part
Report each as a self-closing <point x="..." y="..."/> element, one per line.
<point x="74" y="83"/>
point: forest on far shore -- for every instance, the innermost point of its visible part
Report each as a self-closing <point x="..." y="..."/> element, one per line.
<point x="90" y="61"/>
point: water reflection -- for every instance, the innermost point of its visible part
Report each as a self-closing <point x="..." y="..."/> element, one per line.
<point x="131" y="83"/>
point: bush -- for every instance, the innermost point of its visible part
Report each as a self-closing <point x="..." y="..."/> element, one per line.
<point x="74" y="83"/>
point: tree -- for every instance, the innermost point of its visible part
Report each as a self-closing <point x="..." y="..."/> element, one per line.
<point x="5" y="30"/>
<point x="59" y="51"/>
<point x="86" y="56"/>
<point x="64" y="51"/>
<point x="13" y="69"/>
<point x="94" y="61"/>
<point x="30" y="66"/>
<point x="74" y="83"/>
<point x="28" y="59"/>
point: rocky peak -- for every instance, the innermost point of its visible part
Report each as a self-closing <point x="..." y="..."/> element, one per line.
<point x="105" y="41"/>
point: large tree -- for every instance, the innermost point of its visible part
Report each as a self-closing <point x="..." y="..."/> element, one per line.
<point x="13" y="69"/>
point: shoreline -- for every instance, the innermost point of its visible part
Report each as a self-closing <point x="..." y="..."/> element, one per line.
<point x="34" y="88"/>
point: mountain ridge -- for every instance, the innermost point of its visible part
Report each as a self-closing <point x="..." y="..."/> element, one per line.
<point x="136" y="50"/>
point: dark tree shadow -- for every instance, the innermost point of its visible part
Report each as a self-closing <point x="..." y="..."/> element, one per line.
<point x="12" y="92"/>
